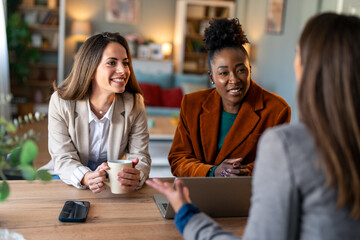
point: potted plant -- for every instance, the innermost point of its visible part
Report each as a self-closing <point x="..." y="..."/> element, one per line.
<point x="21" y="54"/>
<point x="16" y="157"/>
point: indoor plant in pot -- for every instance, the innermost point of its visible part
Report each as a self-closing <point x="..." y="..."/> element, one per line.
<point x="21" y="54"/>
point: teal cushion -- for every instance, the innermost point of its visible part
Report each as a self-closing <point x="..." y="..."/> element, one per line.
<point x="164" y="80"/>
<point x="162" y="111"/>
<point x="191" y="78"/>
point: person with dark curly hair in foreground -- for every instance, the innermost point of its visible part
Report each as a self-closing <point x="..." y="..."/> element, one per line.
<point x="317" y="194"/>
<point x="219" y="127"/>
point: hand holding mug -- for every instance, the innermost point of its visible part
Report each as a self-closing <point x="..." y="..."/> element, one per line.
<point x="123" y="176"/>
<point x="129" y="177"/>
<point x="94" y="180"/>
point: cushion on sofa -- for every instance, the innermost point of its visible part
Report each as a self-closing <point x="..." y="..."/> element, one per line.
<point x="162" y="111"/>
<point x="171" y="97"/>
<point x="164" y="80"/>
<point x="152" y="94"/>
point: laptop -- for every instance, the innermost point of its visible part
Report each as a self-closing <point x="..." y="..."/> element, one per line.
<point x="217" y="197"/>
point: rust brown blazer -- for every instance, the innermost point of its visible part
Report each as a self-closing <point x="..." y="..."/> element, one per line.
<point x="194" y="149"/>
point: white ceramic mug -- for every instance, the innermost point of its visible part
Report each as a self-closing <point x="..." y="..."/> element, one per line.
<point x="116" y="166"/>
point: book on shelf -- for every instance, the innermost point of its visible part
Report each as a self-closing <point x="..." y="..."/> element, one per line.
<point x="51" y="18"/>
<point x="196" y="11"/>
<point x="30" y="17"/>
<point x="225" y="12"/>
<point x="196" y="46"/>
<point x="203" y="25"/>
<point x="28" y="3"/>
<point x="190" y="28"/>
<point x="189" y="46"/>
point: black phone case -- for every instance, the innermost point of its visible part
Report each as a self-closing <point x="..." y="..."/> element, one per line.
<point x="74" y="211"/>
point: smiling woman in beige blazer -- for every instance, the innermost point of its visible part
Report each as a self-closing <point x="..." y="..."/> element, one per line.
<point x="97" y="114"/>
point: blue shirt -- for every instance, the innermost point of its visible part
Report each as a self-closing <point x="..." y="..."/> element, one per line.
<point x="184" y="214"/>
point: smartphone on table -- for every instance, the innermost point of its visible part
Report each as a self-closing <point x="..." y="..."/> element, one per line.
<point x="74" y="211"/>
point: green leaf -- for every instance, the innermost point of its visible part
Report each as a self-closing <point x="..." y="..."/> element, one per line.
<point x="4" y="191"/>
<point x="28" y="172"/>
<point x="15" y="156"/>
<point x="10" y="127"/>
<point x="44" y="175"/>
<point x="28" y="152"/>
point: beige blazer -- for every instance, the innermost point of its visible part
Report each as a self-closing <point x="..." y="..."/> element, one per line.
<point x="68" y="131"/>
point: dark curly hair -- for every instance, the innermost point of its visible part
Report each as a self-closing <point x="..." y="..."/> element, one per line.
<point x="224" y="33"/>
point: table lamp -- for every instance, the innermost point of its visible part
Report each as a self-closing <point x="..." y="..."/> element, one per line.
<point x="81" y="29"/>
<point x="166" y="49"/>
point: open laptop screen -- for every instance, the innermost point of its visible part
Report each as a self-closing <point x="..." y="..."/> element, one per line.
<point x="217" y="197"/>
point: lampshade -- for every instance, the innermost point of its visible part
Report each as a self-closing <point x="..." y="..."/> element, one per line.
<point x="166" y="49"/>
<point x="79" y="27"/>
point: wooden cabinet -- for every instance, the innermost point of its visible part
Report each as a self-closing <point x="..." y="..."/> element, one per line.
<point x="192" y="17"/>
<point x="46" y="25"/>
<point x="148" y="66"/>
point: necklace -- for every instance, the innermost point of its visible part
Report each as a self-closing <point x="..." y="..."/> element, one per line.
<point x="101" y="112"/>
<point x="104" y="107"/>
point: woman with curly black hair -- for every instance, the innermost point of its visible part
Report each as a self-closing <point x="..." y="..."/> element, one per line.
<point x="219" y="127"/>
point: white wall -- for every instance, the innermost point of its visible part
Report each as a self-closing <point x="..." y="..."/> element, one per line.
<point x="272" y="64"/>
<point x="273" y="54"/>
<point x="156" y="22"/>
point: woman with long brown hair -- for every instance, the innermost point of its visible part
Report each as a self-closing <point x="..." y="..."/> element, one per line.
<point x="307" y="175"/>
<point x="97" y="114"/>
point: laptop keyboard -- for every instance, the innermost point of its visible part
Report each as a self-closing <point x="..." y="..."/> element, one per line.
<point x="165" y="205"/>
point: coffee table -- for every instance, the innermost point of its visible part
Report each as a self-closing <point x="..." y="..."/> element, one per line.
<point x="164" y="128"/>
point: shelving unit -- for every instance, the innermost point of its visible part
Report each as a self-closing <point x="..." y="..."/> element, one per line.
<point x="46" y="22"/>
<point x="192" y="17"/>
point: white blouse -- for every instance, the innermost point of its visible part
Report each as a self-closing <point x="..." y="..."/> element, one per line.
<point x="98" y="141"/>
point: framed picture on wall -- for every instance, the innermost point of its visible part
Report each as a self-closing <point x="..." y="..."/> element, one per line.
<point x="122" y="11"/>
<point x="144" y="51"/>
<point x="275" y="16"/>
<point x="155" y="50"/>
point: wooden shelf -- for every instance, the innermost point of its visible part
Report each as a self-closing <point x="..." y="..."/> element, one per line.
<point x="193" y="18"/>
<point x="37" y="26"/>
<point x="195" y="55"/>
<point x="52" y="50"/>
<point x="194" y="36"/>
<point x="40" y="83"/>
<point x="38" y="8"/>
<point x="44" y="24"/>
<point x="43" y="65"/>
